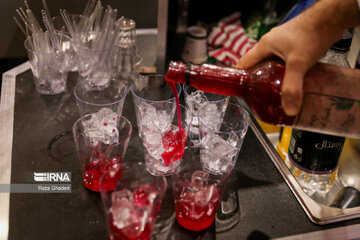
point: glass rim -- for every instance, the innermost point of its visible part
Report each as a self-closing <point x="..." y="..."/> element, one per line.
<point x="30" y="49"/>
<point x="90" y="114"/>
<point x="98" y="104"/>
<point x="155" y="101"/>
<point x="181" y="106"/>
<point x="211" y="101"/>
<point x="128" y="164"/>
<point x="247" y="121"/>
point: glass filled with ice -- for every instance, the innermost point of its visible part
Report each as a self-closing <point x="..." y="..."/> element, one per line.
<point x="131" y="208"/>
<point x="162" y="136"/>
<point x="101" y="141"/>
<point x="151" y="89"/>
<point x="197" y="191"/>
<point x="222" y="140"/>
<point x="196" y="100"/>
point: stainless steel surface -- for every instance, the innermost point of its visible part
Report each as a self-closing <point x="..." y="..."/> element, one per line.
<point x="343" y="233"/>
<point x="319" y="213"/>
<point x="7" y="102"/>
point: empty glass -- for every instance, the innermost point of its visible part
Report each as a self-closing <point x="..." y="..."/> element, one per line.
<point x="91" y="98"/>
<point x="161" y="135"/>
<point x="222" y="140"/>
<point x="132" y="207"/>
<point x="101" y="141"/>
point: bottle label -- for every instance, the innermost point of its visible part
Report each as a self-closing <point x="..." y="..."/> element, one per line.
<point x="334" y="114"/>
<point x="314" y="152"/>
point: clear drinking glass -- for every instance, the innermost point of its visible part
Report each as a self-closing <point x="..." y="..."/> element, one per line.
<point x="90" y="98"/>
<point x="161" y="136"/>
<point x="222" y="141"/>
<point x="101" y="141"/>
<point x="151" y="89"/>
<point x="95" y="62"/>
<point x="132" y="207"/>
<point x="48" y="64"/>
<point x="197" y="191"/>
<point x="60" y="26"/>
<point x="196" y="100"/>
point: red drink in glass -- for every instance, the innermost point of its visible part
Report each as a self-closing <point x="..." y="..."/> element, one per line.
<point x="196" y="206"/>
<point x="135" y="214"/>
<point x="99" y="164"/>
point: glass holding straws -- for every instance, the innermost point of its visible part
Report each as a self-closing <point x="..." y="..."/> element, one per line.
<point x="48" y="61"/>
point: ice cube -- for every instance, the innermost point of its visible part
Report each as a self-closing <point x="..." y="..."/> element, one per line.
<point x="212" y="117"/>
<point x="203" y="196"/>
<point x="153" y="119"/>
<point x="200" y="178"/>
<point x="102" y="127"/>
<point x="120" y="195"/>
<point x="233" y="139"/>
<point x="127" y="218"/>
<point x="156" y="164"/>
<point x="145" y="196"/>
<point x="196" y="100"/>
<point x="151" y="138"/>
<point x="217" y="154"/>
<point x="152" y="142"/>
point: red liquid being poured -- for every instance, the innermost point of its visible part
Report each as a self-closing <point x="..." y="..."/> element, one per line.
<point x="174" y="141"/>
<point x="176" y="95"/>
<point x="100" y="164"/>
<point x="260" y="88"/>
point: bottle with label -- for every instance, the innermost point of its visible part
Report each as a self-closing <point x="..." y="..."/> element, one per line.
<point x="313" y="157"/>
<point x="331" y="102"/>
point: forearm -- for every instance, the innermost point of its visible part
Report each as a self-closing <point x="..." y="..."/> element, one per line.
<point x="330" y="17"/>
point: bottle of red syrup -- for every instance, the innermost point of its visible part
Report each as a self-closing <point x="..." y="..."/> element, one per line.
<point x="331" y="101"/>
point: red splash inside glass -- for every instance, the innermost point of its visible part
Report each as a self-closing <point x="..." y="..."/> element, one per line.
<point x="197" y="192"/>
<point x="101" y="141"/>
<point x="161" y="136"/>
<point x="133" y="205"/>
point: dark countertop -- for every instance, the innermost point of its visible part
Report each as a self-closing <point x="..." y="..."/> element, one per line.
<point x="268" y="209"/>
